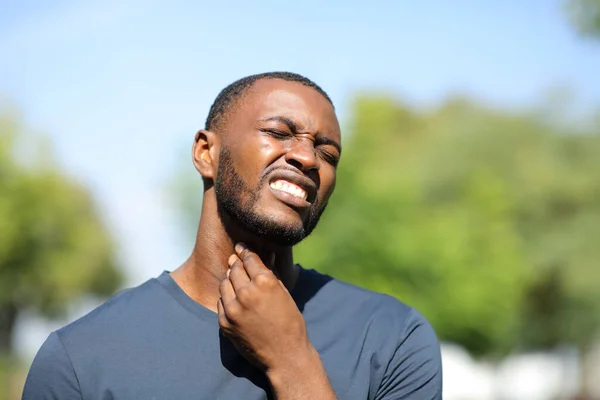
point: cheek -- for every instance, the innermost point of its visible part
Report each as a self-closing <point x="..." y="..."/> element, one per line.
<point x="269" y="149"/>
<point x="254" y="155"/>
<point x="328" y="179"/>
<point x="262" y="153"/>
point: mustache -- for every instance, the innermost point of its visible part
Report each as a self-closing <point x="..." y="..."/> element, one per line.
<point x="273" y="168"/>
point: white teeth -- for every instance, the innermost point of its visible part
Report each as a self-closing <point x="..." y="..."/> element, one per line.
<point x="290" y="188"/>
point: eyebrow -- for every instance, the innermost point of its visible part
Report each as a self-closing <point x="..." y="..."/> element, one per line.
<point x="294" y="128"/>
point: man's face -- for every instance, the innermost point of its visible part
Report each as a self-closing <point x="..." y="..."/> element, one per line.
<point x="277" y="163"/>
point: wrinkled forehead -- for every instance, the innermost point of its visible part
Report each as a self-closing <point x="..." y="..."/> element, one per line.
<point x="302" y="104"/>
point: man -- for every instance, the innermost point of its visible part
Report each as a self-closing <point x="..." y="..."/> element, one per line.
<point x="240" y="320"/>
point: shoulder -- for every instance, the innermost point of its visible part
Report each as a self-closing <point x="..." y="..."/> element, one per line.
<point x="400" y="328"/>
<point x="56" y="369"/>
<point x="52" y="374"/>
<point x="403" y="341"/>
<point x="414" y="369"/>
<point x="329" y="294"/>
<point x="413" y="363"/>
<point x="116" y="313"/>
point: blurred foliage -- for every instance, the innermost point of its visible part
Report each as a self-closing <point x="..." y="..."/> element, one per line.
<point x="585" y="16"/>
<point x="54" y="247"/>
<point x="486" y="221"/>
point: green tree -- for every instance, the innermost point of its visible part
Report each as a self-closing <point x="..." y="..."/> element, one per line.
<point x="585" y="16"/>
<point x="482" y="219"/>
<point x="54" y="248"/>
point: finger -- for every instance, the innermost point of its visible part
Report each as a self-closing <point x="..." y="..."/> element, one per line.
<point x="283" y="287"/>
<point x="223" y="321"/>
<point x="237" y="273"/>
<point x="227" y="292"/>
<point x="252" y="262"/>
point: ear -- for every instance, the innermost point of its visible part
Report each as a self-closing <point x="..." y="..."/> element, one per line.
<point x="205" y="152"/>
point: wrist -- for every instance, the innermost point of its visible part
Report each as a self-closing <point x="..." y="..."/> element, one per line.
<point x="304" y="379"/>
<point x="301" y="365"/>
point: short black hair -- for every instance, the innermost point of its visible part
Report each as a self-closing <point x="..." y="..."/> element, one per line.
<point x="233" y="92"/>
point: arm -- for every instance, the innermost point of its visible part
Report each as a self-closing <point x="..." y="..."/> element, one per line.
<point x="415" y="369"/>
<point x="307" y="380"/>
<point x="51" y="376"/>
<point x="262" y="320"/>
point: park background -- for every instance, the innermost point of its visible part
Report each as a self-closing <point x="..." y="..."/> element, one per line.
<point x="469" y="186"/>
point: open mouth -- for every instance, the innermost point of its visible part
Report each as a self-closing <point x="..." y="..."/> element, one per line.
<point x="290" y="188"/>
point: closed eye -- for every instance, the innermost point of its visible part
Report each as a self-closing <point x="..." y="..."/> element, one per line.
<point x="276" y="134"/>
<point x="328" y="156"/>
<point x="322" y="144"/>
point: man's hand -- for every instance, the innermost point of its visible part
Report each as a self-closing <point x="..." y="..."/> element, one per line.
<point x="258" y="314"/>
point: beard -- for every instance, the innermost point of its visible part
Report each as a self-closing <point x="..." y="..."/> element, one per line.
<point x="240" y="202"/>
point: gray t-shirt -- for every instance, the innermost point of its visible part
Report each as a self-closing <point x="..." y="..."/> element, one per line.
<point x="155" y="342"/>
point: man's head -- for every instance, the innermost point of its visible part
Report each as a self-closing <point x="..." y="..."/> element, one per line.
<point x="270" y="151"/>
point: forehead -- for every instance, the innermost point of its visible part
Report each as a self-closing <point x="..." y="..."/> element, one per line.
<point x="275" y="97"/>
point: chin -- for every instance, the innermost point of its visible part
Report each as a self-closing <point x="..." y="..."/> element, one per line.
<point x="288" y="220"/>
<point x="283" y="231"/>
<point x="285" y="225"/>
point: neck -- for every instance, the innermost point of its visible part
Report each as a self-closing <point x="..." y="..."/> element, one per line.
<point x="201" y="274"/>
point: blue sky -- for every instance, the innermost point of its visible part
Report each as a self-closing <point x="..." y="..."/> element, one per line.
<point x="121" y="86"/>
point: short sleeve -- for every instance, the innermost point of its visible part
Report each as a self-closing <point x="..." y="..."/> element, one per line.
<point x="51" y="376"/>
<point x="415" y="369"/>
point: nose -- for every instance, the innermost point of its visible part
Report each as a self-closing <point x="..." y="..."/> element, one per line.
<point x="302" y="154"/>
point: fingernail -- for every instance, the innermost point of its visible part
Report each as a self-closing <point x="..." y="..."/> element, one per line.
<point x="231" y="259"/>
<point x="240" y="247"/>
<point x="228" y="272"/>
